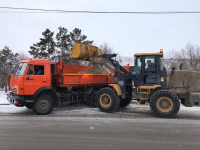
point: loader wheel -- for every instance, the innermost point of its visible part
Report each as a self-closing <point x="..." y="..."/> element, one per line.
<point x="107" y="100"/>
<point x="127" y="101"/>
<point x="164" y="104"/>
<point x="43" y="105"/>
<point x="124" y="102"/>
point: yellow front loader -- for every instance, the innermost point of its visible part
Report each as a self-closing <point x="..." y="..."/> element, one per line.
<point x="163" y="89"/>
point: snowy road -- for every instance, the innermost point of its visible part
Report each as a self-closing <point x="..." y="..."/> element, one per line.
<point x="96" y="133"/>
<point x="80" y="127"/>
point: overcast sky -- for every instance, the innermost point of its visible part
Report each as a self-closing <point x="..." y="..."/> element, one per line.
<point x="126" y="33"/>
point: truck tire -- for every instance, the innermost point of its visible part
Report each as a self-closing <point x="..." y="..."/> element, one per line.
<point x="93" y="102"/>
<point x="164" y="104"/>
<point x="43" y="105"/>
<point x="107" y="100"/>
<point x="87" y="101"/>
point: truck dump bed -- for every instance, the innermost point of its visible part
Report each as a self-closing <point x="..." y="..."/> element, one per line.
<point x="74" y="76"/>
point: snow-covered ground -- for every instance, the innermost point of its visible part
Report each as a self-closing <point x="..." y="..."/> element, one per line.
<point x="82" y="109"/>
<point x="3" y="99"/>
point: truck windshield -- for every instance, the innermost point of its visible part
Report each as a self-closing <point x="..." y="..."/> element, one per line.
<point x="20" y="69"/>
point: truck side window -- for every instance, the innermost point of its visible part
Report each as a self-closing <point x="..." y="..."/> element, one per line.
<point x="38" y="70"/>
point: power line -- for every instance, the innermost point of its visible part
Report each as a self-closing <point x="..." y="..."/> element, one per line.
<point x="97" y="12"/>
<point x="29" y="12"/>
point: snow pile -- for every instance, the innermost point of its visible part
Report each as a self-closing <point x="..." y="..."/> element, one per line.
<point x="3" y="99"/>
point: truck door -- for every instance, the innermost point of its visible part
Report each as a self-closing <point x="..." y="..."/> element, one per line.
<point x="36" y="77"/>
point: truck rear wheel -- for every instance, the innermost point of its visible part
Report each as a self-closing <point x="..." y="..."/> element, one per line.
<point x="93" y="102"/>
<point x="43" y="105"/>
<point x="164" y="104"/>
<point x="107" y="100"/>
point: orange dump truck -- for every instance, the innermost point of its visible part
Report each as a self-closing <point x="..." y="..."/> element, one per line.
<point x="41" y="85"/>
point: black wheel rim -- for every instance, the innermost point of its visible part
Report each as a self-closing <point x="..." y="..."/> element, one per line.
<point x="43" y="105"/>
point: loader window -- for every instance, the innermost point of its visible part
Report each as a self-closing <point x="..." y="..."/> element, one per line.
<point x="150" y="70"/>
<point x="150" y="63"/>
<point x="137" y="68"/>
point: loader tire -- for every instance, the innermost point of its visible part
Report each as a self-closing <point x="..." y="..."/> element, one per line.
<point x="164" y="104"/>
<point x="127" y="101"/>
<point x="43" y="105"/>
<point x="124" y="102"/>
<point x="107" y="100"/>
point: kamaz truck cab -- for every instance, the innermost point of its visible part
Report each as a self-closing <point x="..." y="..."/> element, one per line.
<point x="31" y="76"/>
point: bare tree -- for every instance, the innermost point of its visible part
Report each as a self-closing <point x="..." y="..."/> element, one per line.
<point x="188" y="58"/>
<point x="106" y="49"/>
<point x="171" y="59"/>
<point x="191" y="55"/>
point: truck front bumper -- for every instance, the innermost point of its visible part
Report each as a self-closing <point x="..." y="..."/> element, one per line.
<point x="15" y="99"/>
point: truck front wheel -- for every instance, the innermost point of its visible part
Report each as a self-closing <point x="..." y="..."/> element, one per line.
<point x="43" y="105"/>
<point x="107" y="100"/>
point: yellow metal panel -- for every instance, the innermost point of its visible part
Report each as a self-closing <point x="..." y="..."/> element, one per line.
<point x="149" y="87"/>
<point x="148" y="54"/>
<point x="117" y="88"/>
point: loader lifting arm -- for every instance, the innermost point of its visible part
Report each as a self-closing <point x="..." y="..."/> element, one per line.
<point x="90" y="53"/>
<point x="106" y="60"/>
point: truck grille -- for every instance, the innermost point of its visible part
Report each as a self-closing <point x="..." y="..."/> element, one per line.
<point x="14" y="89"/>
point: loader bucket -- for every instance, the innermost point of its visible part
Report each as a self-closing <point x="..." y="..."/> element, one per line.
<point x="82" y="51"/>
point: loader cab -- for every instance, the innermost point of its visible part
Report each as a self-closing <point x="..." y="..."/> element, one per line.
<point x="148" y="68"/>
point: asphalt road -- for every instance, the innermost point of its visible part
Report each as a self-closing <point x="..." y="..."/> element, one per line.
<point x="79" y="127"/>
